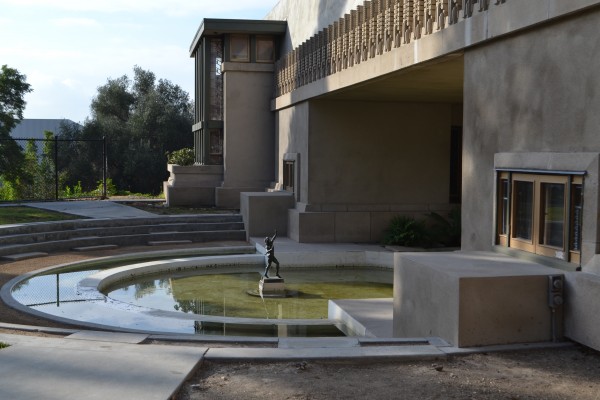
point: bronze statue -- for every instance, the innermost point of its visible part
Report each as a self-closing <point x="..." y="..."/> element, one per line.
<point x="270" y="255"/>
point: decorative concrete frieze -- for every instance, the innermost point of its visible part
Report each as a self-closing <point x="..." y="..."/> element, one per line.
<point x="351" y="27"/>
<point x="338" y="45"/>
<point x="372" y="38"/>
<point x="398" y="18"/>
<point x="359" y="17"/>
<point x="372" y="29"/>
<point x="346" y="41"/>
<point x="454" y="9"/>
<point x="365" y="38"/>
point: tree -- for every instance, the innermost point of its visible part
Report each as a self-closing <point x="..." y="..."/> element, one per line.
<point x="84" y="164"/>
<point x="142" y="120"/>
<point x="13" y="88"/>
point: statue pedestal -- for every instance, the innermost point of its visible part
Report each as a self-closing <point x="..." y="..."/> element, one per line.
<point x="271" y="287"/>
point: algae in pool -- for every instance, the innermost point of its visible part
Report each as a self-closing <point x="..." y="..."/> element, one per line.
<point x="227" y="294"/>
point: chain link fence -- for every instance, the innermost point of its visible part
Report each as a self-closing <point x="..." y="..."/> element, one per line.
<point x="57" y="169"/>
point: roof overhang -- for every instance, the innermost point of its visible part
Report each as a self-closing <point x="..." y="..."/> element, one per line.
<point x="215" y="27"/>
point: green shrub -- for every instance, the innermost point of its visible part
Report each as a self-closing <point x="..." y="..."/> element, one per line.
<point x="7" y="190"/>
<point x="406" y="231"/>
<point x="436" y="231"/>
<point x="183" y="156"/>
<point x="111" y="189"/>
<point x="4" y="345"/>
<point x="74" y="192"/>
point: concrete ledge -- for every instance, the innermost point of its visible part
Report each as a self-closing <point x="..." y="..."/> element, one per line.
<point x="172" y="242"/>
<point x="94" y="248"/>
<point x="117" y="337"/>
<point x="472" y="299"/>
<point x="23" y="256"/>
<point x="365" y="317"/>
<point x="423" y="352"/>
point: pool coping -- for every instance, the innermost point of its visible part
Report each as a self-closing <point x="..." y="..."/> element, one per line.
<point x="205" y="258"/>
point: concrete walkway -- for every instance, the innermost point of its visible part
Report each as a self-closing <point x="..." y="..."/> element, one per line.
<point x="93" y="209"/>
<point x="107" y="366"/>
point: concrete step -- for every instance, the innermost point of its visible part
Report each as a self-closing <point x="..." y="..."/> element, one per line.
<point x="123" y="240"/>
<point x="23" y="256"/>
<point x="55" y="226"/>
<point x="99" y="234"/>
<point x="81" y="233"/>
<point x="167" y="242"/>
<point x="94" y="248"/>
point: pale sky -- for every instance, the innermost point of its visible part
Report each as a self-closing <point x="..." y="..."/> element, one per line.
<point x="68" y="48"/>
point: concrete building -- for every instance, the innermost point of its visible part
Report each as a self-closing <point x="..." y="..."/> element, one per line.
<point x="351" y="112"/>
<point x="32" y="128"/>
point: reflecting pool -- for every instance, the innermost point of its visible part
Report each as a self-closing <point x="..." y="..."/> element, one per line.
<point x="205" y="301"/>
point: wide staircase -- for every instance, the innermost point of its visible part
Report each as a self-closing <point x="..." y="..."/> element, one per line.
<point x="33" y="240"/>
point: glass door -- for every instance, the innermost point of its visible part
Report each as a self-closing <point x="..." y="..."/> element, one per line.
<point x="552" y="216"/>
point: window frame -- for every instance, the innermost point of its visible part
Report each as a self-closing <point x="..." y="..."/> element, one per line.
<point x="232" y="56"/>
<point x="506" y="208"/>
<point x="264" y="38"/>
<point x="289" y="176"/>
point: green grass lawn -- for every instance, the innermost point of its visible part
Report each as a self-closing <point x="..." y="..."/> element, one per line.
<point x="24" y="214"/>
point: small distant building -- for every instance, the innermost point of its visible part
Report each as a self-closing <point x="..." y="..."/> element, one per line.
<point x="34" y="128"/>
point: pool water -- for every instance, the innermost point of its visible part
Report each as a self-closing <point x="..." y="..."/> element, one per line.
<point x="227" y="294"/>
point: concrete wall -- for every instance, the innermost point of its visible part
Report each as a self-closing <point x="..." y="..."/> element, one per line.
<point x="363" y="163"/>
<point x="473" y="299"/>
<point x="265" y="212"/>
<point x="378" y="153"/>
<point x="249" y="131"/>
<point x="532" y="101"/>
<point x="534" y="92"/>
<point x="292" y="138"/>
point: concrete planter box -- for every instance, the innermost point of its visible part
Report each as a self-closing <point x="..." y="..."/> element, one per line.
<point x="192" y="185"/>
<point x="195" y="175"/>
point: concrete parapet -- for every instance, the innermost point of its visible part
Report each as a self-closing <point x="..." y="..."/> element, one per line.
<point x="473" y="298"/>
<point x="263" y="212"/>
<point x="189" y="196"/>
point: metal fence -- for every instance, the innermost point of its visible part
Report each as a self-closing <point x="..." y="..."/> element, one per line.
<point x="54" y="176"/>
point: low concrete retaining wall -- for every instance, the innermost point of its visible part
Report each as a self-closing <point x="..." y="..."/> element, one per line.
<point x="473" y="299"/>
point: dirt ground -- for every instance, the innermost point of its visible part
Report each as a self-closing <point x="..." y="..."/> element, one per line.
<point x="567" y="373"/>
<point x="572" y="373"/>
